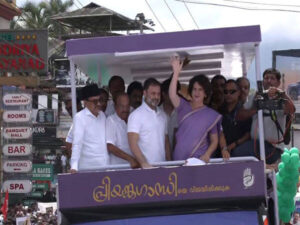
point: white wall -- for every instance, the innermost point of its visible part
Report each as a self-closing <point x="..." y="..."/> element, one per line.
<point x="4" y="24"/>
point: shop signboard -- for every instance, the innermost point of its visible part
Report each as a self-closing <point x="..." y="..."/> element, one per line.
<point x="17" y="132"/>
<point x="36" y="194"/>
<point x="43" y="186"/>
<point x="46" y="116"/>
<point x="17" y="149"/>
<point x="17" y="166"/>
<point x="17" y="99"/>
<point x="28" y="202"/>
<point x="16" y="116"/>
<point x="43" y="131"/>
<point x="23" y="50"/>
<point x="17" y="186"/>
<point x="42" y="172"/>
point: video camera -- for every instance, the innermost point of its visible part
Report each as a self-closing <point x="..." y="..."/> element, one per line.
<point x="263" y="102"/>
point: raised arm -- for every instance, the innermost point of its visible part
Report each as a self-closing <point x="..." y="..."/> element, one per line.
<point x="177" y="66"/>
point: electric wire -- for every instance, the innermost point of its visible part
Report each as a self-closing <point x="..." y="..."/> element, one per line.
<point x="260" y="3"/>
<point x="155" y="16"/>
<point x="186" y="6"/>
<point x="173" y="15"/>
<point x="239" y="7"/>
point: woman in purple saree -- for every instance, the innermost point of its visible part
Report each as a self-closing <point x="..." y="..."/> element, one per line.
<point x="198" y="125"/>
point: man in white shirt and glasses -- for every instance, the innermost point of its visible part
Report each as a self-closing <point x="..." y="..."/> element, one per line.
<point x="116" y="133"/>
<point x="147" y="128"/>
<point x="89" y="150"/>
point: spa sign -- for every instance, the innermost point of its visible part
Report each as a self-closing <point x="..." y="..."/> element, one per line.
<point x="23" y="50"/>
<point x="17" y="186"/>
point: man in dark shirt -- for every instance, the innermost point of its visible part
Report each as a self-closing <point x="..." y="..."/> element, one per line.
<point x="235" y="132"/>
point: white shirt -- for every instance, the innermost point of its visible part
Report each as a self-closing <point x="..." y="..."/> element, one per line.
<point x="250" y="101"/>
<point x="110" y="109"/>
<point x="116" y="134"/>
<point x="69" y="137"/>
<point x="152" y="127"/>
<point x="63" y="160"/>
<point x="270" y="129"/>
<point x="172" y="125"/>
<point x="89" y="146"/>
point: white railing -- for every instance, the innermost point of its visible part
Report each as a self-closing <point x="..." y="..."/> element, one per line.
<point x="173" y="163"/>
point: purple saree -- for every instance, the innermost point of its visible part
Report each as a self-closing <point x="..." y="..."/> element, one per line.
<point x="194" y="128"/>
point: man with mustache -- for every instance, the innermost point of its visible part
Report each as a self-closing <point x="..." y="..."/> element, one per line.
<point x="135" y="93"/>
<point x="147" y="128"/>
<point x="116" y="133"/>
<point x="89" y="147"/>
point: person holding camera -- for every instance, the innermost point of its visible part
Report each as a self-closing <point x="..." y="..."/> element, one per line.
<point x="276" y="106"/>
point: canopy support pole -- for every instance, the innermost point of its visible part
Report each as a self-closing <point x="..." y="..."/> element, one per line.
<point x="73" y="87"/>
<point x="99" y="75"/>
<point x="260" y="112"/>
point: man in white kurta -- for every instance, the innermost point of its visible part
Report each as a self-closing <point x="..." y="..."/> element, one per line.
<point x="89" y="150"/>
<point x="147" y="128"/>
<point x="116" y="133"/>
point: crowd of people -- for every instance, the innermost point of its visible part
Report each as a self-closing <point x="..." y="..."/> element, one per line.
<point x="155" y="122"/>
<point x="30" y="215"/>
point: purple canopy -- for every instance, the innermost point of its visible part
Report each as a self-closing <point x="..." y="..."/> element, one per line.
<point x="135" y="57"/>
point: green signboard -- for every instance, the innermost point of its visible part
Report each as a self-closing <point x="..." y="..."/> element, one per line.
<point x="43" y="186"/>
<point x="36" y="194"/>
<point x="42" y="172"/>
<point x="23" y="50"/>
<point x="28" y="202"/>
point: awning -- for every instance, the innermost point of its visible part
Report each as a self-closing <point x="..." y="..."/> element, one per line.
<point x="227" y="51"/>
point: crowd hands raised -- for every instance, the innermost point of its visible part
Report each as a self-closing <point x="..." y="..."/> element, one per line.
<point x="154" y="122"/>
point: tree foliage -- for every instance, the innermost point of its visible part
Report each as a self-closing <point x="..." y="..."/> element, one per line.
<point x="38" y="16"/>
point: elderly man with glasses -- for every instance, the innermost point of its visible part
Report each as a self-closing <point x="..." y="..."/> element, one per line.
<point x="89" y="150"/>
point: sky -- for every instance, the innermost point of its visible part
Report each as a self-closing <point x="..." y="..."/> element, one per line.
<point x="280" y="30"/>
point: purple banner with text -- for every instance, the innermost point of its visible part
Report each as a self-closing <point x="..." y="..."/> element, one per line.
<point x="97" y="189"/>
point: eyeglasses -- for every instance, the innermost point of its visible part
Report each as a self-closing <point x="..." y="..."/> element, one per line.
<point x="231" y="92"/>
<point x="95" y="102"/>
